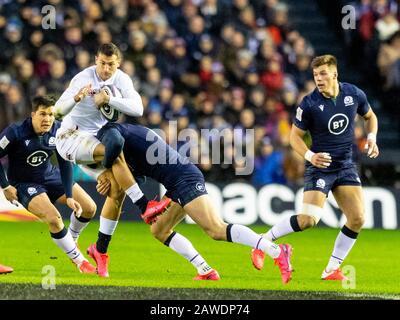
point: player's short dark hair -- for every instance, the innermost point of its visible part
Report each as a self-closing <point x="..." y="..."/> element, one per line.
<point x="326" y="59"/>
<point x="42" y="101"/>
<point x="108" y="49"/>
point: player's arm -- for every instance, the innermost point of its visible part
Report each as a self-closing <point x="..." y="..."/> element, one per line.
<point x="371" y="126"/>
<point x="76" y="91"/>
<point x="66" y="170"/>
<point x="131" y="102"/>
<point x="371" y="123"/>
<point x="300" y="126"/>
<point x="319" y="160"/>
<point x="6" y="139"/>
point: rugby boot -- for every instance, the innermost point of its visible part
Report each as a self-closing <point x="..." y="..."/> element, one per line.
<point x="333" y="275"/>
<point x="283" y="262"/>
<point x="154" y="209"/>
<point x="86" y="267"/>
<point x="5" y="269"/>
<point x="101" y="260"/>
<point x="257" y="257"/>
<point x="212" y="275"/>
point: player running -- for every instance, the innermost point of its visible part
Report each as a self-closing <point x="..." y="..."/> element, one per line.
<point x="81" y="104"/>
<point x="37" y="184"/>
<point x="148" y="155"/>
<point x="328" y="113"/>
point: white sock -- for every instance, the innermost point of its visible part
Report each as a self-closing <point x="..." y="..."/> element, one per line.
<point x="65" y="242"/>
<point x="134" y="192"/>
<point x="107" y="226"/>
<point x="184" y="247"/>
<point x="282" y="228"/>
<point x="76" y="227"/>
<point x="343" y="244"/>
<point x="241" y="234"/>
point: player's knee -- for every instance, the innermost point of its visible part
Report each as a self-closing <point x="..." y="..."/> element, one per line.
<point x="311" y="214"/>
<point x="54" y="221"/>
<point x="90" y="210"/>
<point x="357" y="221"/>
<point x="160" y="233"/>
<point x="305" y="221"/>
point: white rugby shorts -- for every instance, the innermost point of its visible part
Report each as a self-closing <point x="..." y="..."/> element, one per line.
<point x="75" y="145"/>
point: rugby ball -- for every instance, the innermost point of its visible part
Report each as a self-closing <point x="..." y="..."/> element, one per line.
<point x="109" y="112"/>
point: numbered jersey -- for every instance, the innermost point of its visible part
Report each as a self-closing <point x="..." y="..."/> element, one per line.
<point x="331" y="122"/>
<point x="29" y="154"/>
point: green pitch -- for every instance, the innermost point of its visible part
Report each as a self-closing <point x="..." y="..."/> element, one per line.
<point x="143" y="268"/>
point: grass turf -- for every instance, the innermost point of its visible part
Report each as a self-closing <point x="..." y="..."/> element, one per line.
<point x="143" y="268"/>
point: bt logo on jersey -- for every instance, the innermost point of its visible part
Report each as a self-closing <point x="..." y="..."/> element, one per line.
<point x="37" y="158"/>
<point x="338" y="123"/>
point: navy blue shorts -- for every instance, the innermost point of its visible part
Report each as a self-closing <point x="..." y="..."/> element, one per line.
<point x="318" y="180"/>
<point x="27" y="191"/>
<point x="187" y="190"/>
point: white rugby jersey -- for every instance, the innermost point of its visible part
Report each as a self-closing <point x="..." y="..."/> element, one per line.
<point x="85" y="113"/>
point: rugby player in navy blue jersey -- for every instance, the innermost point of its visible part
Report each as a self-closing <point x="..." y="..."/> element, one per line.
<point x="329" y="113"/>
<point x="34" y="182"/>
<point x="147" y="154"/>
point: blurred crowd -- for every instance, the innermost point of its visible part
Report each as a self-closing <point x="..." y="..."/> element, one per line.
<point x="222" y="64"/>
<point x="377" y="41"/>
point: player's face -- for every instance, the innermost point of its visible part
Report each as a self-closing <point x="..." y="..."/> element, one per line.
<point x="43" y="119"/>
<point x="325" y="78"/>
<point x="106" y="65"/>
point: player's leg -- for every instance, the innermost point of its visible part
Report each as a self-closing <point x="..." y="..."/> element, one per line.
<point x="313" y="202"/>
<point x="83" y="148"/>
<point x="109" y="217"/>
<point x="125" y="179"/>
<point x="41" y="206"/>
<point x="316" y="187"/>
<point x="202" y="211"/>
<point x="78" y="222"/>
<point x="163" y="230"/>
<point x="350" y="201"/>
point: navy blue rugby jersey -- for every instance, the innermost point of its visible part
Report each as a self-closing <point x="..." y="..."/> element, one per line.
<point x="29" y="154"/>
<point x="331" y="122"/>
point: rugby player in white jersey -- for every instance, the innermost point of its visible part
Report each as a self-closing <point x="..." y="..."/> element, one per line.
<point x="76" y="139"/>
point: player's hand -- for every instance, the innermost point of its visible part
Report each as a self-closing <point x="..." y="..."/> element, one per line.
<point x="103" y="185"/>
<point x="321" y="160"/>
<point x="101" y="98"/>
<point x="371" y="148"/>
<point x="11" y="194"/>
<point x="83" y="92"/>
<point x="75" y="206"/>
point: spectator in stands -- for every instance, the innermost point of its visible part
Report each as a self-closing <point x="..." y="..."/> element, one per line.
<point x="268" y="165"/>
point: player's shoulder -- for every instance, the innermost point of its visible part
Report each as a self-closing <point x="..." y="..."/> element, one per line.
<point x="121" y="78"/>
<point x="18" y="130"/>
<point x="349" y="88"/>
<point x="309" y="100"/>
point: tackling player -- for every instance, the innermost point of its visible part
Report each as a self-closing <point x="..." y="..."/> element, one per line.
<point x="34" y="182"/>
<point x="328" y="113"/>
<point x="76" y="141"/>
<point x="186" y="187"/>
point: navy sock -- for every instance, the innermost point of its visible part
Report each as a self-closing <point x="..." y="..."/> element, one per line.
<point x="142" y="203"/>
<point x="103" y="241"/>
